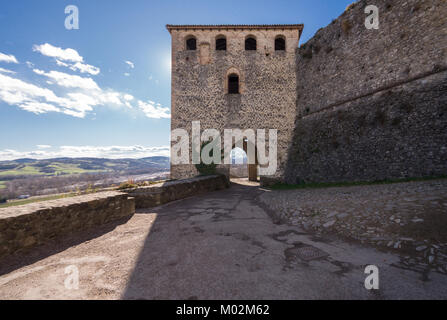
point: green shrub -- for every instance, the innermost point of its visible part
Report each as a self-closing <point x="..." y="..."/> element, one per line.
<point x="126" y="185"/>
<point x="206" y="169"/>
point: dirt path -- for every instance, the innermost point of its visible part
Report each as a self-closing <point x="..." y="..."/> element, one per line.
<point x="222" y="245"/>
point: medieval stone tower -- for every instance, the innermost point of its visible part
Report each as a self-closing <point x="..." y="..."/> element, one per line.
<point x="235" y="77"/>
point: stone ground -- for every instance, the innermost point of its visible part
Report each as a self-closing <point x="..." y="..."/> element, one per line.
<point x="221" y="245"/>
<point x="407" y="218"/>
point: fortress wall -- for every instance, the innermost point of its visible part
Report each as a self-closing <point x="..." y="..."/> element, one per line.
<point x="372" y="104"/>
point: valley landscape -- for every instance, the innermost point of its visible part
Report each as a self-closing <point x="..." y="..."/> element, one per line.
<point x="31" y="177"/>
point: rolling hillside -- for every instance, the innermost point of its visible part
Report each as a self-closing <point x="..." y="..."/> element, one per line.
<point x="23" y="168"/>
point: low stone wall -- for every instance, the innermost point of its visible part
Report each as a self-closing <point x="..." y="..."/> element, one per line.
<point x="23" y="227"/>
<point x="26" y="226"/>
<point x="160" y="193"/>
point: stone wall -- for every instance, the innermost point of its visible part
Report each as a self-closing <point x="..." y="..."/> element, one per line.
<point x="239" y="171"/>
<point x="160" y="193"/>
<point x="25" y="226"/>
<point x="372" y="104"/>
<point x="267" y="96"/>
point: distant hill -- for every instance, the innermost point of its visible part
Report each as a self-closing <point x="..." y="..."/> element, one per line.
<point x="64" y="166"/>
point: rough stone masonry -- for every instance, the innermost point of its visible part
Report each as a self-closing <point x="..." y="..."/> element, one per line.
<point x="350" y="104"/>
<point x="372" y="104"/>
<point x="266" y="96"/>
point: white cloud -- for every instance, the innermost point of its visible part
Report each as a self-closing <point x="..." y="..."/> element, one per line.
<point x="85" y="68"/>
<point x="128" y="97"/>
<point x="63" y="64"/>
<point x="30" y="64"/>
<point x="58" y="53"/>
<point x="126" y="74"/>
<point x="8" y="58"/>
<point x="39" y="107"/>
<point x="68" y="80"/>
<point x="76" y="95"/>
<point x="43" y="146"/>
<point x="7" y="71"/>
<point x="130" y="64"/>
<point x="15" y="91"/>
<point x="152" y="110"/>
<point x="78" y="103"/>
<point x="38" y="100"/>
<point x="70" y="55"/>
<point x="111" y="152"/>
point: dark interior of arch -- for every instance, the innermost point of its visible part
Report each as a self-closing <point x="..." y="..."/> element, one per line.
<point x="233" y="83"/>
<point x="221" y="44"/>
<point x="191" y="44"/>
<point x="250" y="44"/>
<point x="280" y="44"/>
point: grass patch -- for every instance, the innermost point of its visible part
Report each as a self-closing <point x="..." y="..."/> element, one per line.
<point x="2" y="184"/>
<point x="32" y="200"/>
<point x="25" y="170"/>
<point x="319" y="185"/>
<point x="57" y="168"/>
<point x="66" y="168"/>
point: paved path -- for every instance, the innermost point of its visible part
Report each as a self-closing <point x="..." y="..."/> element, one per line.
<point x="222" y="245"/>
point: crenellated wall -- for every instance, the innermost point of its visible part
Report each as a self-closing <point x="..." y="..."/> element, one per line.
<point x="372" y="104"/>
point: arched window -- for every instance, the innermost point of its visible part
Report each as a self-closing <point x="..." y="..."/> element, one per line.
<point x="191" y="43"/>
<point x="221" y="43"/>
<point x="233" y="83"/>
<point x="280" y="43"/>
<point x="250" y="43"/>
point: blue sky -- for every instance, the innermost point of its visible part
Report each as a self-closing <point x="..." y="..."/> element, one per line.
<point x="72" y="93"/>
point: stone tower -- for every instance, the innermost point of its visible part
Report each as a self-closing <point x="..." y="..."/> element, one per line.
<point x="235" y="77"/>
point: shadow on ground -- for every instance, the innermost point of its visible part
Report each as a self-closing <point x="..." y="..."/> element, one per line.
<point x="59" y="244"/>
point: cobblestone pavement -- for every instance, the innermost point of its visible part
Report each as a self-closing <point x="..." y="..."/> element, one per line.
<point x="407" y="218"/>
<point x="220" y="245"/>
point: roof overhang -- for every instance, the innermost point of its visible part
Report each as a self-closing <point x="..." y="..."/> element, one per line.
<point x="298" y="27"/>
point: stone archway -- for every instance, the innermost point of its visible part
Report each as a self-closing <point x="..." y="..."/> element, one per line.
<point x="252" y="163"/>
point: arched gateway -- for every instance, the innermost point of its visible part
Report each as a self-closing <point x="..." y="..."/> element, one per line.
<point x="235" y="87"/>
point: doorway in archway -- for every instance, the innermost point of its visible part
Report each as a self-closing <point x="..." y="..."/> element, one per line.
<point x="240" y="167"/>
